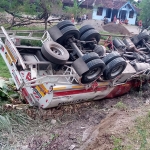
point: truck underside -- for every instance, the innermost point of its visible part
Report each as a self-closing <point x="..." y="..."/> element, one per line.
<point x="71" y="66"/>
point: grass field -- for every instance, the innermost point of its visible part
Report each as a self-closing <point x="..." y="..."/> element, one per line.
<point x="4" y="72"/>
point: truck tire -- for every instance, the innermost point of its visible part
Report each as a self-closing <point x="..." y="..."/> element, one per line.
<point x="108" y="58"/>
<point x="54" y="52"/>
<point x="40" y="56"/>
<point x="64" y="24"/>
<point x="114" y="68"/>
<point x="143" y="36"/>
<point x="100" y="50"/>
<point x="67" y="33"/>
<point x="96" y="68"/>
<point x="135" y="40"/>
<point x="90" y="35"/>
<point x="84" y="29"/>
<point x="90" y="56"/>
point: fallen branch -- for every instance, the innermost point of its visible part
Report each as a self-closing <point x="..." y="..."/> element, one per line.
<point x="18" y="107"/>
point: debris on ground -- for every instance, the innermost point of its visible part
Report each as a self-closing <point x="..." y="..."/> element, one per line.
<point x="70" y="127"/>
<point x="53" y="121"/>
<point x="116" y="29"/>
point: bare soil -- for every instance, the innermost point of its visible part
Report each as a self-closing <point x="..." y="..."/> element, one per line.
<point x="85" y="126"/>
<point x="116" y="29"/>
<point x="116" y="124"/>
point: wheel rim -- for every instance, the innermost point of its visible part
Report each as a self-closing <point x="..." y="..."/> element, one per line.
<point x="93" y="73"/>
<point x="117" y="70"/>
<point x="57" y="51"/>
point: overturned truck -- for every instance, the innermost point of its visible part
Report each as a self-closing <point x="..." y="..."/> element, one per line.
<point x="71" y="66"/>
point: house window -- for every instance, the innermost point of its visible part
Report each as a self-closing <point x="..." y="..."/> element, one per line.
<point x="131" y="14"/>
<point x="108" y="13"/>
<point x="99" y="11"/>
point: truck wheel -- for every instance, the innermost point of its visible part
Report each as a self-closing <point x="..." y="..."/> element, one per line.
<point x="64" y="24"/>
<point x="90" y="56"/>
<point x="135" y="40"/>
<point x="90" y="35"/>
<point x="40" y="56"/>
<point x="67" y="33"/>
<point x="114" y="68"/>
<point x="100" y="50"/>
<point x="144" y="36"/>
<point x="96" y="68"/>
<point x="108" y="58"/>
<point x="85" y="28"/>
<point x="54" y="52"/>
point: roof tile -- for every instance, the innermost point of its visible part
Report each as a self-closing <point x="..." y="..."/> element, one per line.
<point x="102" y="3"/>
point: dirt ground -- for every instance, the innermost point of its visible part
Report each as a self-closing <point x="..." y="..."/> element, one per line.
<point x="116" y="123"/>
<point x="86" y="126"/>
<point x="132" y="28"/>
<point x="116" y="29"/>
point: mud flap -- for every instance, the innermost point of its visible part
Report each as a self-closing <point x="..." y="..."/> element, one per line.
<point x="80" y="66"/>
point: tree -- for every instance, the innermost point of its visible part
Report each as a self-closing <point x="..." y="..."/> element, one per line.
<point x="76" y="10"/>
<point x="145" y="12"/>
<point x="135" y="3"/>
<point x="40" y="9"/>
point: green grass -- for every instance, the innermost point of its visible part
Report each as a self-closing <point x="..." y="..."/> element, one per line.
<point x="138" y="137"/>
<point x="121" y="106"/>
<point x="117" y="143"/>
<point x="28" y="28"/>
<point x="4" y="72"/>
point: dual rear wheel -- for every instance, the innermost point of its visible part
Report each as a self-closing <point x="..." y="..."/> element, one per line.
<point x="110" y="66"/>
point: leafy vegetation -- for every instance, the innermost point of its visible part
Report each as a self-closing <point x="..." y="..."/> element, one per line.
<point x="26" y="12"/>
<point x="76" y="10"/>
<point x="144" y="12"/>
<point x="7" y="91"/>
<point x="136" y="3"/>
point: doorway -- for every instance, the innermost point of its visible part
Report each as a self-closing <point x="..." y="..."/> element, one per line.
<point x="122" y="14"/>
<point x="114" y="13"/>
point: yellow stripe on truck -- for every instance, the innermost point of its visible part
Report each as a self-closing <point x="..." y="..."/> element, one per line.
<point x="59" y="88"/>
<point x="11" y="55"/>
<point x="77" y="86"/>
<point x="42" y="89"/>
<point x="103" y="83"/>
